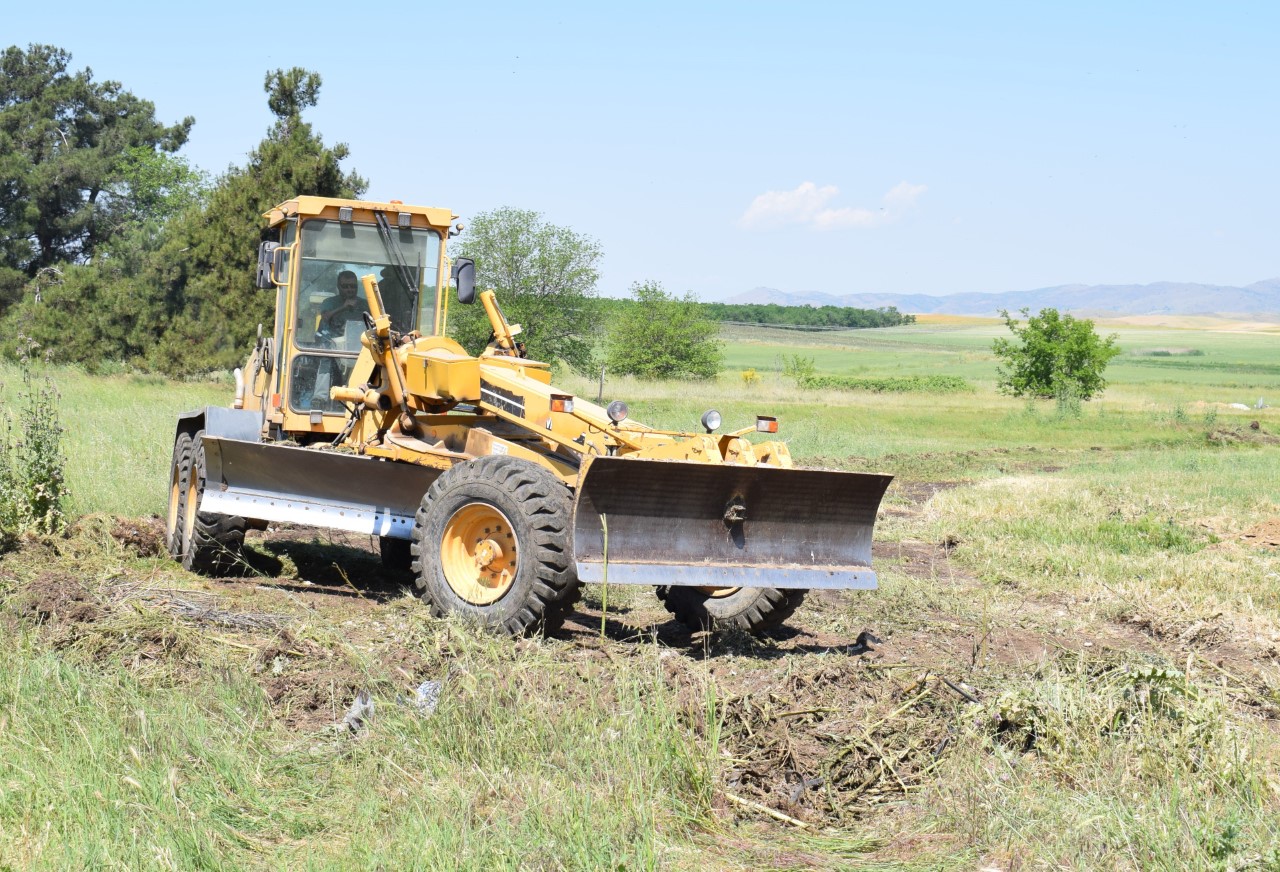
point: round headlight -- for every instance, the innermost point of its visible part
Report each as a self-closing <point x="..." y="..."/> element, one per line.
<point x="711" y="420"/>
<point x="617" y="411"/>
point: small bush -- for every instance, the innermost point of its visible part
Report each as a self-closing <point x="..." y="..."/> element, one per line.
<point x="33" y="484"/>
<point x="750" y="378"/>
<point x="798" y="367"/>
<point x="908" y="384"/>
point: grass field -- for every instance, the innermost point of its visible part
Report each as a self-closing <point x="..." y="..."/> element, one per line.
<point x="1073" y="660"/>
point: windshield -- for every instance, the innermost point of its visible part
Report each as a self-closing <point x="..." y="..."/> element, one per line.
<point x="331" y="302"/>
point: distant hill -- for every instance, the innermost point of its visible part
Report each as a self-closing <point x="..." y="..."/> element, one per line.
<point x="1160" y="298"/>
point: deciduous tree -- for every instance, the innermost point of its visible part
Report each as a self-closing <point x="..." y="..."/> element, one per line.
<point x="1053" y="355"/>
<point x="545" y="276"/>
<point x="663" y="336"/>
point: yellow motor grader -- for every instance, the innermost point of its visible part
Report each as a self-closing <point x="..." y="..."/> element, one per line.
<point x="499" y="491"/>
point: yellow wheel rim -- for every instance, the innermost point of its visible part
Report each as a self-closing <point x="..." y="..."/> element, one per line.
<point x="175" y="497"/>
<point x="479" y="553"/>
<point x="193" y="505"/>
<point x="719" y="592"/>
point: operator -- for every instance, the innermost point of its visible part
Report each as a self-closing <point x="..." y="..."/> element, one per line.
<point x="335" y="312"/>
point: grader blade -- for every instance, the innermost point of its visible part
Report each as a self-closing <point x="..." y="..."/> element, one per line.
<point x="283" y="483"/>
<point x="717" y="525"/>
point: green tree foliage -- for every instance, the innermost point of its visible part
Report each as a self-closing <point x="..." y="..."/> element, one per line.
<point x="545" y="276"/>
<point x="816" y="317"/>
<point x="70" y="149"/>
<point x="663" y="336"/>
<point x="1053" y="355"/>
<point x="208" y="254"/>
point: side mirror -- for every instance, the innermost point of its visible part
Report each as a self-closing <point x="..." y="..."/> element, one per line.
<point x="464" y="274"/>
<point x="266" y="254"/>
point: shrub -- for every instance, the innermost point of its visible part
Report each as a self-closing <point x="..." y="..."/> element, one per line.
<point x="750" y="377"/>
<point x="908" y="384"/>
<point x="662" y="335"/>
<point x="798" y="367"/>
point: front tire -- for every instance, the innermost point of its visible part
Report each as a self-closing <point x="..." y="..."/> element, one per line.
<point x="491" y="543"/>
<point x="211" y="544"/>
<point x="751" y="609"/>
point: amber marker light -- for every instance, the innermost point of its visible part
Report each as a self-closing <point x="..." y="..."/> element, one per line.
<point x="561" y="403"/>
<point x="766" y="424"/>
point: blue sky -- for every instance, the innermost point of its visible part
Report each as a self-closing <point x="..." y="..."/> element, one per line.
<point x="835" y="147"/>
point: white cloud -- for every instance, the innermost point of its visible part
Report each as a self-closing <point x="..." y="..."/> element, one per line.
<point x="808" y="205"/>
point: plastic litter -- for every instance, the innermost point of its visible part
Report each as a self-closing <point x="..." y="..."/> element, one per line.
<point x="360" y="714"/>
<point x="426" y="697"/>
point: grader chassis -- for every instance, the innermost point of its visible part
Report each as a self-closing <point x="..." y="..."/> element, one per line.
<point x="501" y="493"/>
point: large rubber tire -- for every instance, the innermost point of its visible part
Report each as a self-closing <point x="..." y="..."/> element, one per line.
<point x="179" y="474"/>
<point x="535" y="512"/>
<point x="211" y="544"/>
<point x="751" y="609"/>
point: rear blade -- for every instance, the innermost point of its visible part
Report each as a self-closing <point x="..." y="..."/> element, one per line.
<point x="672" y="523"/>
<point x="287" y="483"/>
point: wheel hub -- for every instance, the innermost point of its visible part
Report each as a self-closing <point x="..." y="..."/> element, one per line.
<point x="479" y="553"/>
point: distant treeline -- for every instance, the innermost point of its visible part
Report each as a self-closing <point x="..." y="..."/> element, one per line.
<point x="806" y="317"/>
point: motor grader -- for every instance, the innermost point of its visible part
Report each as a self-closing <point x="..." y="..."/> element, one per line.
<point x="500" y="492"/>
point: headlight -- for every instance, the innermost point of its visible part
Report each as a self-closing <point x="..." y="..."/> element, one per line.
<point x="711" y="420"/>
<point x="617" y="411"/>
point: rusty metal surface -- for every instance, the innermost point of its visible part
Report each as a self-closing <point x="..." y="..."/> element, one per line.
<point x="287" y="483"/>
<point x="672" y="522"/>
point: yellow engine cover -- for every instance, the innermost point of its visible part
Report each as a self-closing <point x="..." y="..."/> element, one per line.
<point x="439" y="368"/>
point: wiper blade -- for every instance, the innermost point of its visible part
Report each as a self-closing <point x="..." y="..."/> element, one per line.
<point x="396" y="256"/>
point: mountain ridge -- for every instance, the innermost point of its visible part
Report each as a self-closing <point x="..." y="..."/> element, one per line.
<point x="1157" y="298"/>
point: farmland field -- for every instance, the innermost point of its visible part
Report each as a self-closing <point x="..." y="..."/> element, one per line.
<point x="1073" y="660"/>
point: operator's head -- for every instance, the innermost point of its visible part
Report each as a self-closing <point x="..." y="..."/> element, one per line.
<point x="347" y="284"/>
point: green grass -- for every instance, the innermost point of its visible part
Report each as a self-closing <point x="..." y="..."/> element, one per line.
<point x="1091" y="587"/>
<point x="119" y="433"/>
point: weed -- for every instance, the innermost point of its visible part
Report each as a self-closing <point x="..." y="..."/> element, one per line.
<point x="33" y="489"/>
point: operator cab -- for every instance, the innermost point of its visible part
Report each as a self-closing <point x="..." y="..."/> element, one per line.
<point x="325" y="246"/>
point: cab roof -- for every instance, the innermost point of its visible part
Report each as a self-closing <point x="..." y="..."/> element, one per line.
<point x="362" y="211"/>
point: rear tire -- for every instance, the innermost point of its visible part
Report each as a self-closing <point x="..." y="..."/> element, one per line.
<point x="751" y="609"/>
<point x="491" y="543"/>
<point x="211" y="544"/>
<point x="179" y="476"/>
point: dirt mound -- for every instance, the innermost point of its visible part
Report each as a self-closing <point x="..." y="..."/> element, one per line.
<point x="1264" y="535"/>
<point x="54" y="597"/>
<point x="143" y="536"/>
<point x="1236" y="435"/>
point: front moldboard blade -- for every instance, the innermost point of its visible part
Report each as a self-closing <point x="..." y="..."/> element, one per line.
<point x="287" y="483"/>
<point x="672" y="523"/>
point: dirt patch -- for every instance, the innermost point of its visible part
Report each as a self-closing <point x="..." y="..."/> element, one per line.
<point x="827" y="743"/>
<point x="143" y="536"/>
<point x="1264" y="535"/>
<point x="311" y="698"/>
<point x="54" y="597"/>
